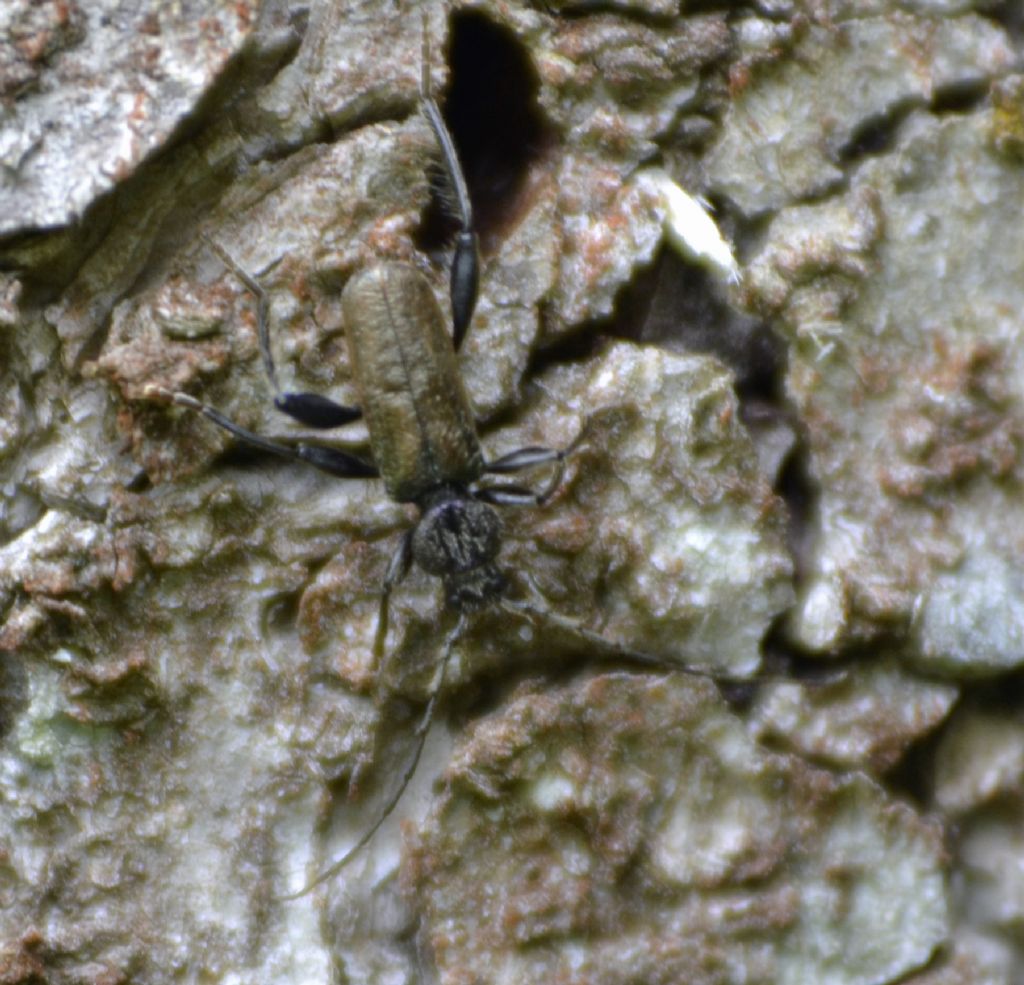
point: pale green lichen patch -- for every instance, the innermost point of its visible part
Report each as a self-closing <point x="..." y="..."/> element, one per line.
<point x="980" y="758"/>
<point x="784" y="136"/>
<point x="865" y="719"/>
<point x="551" y="792"/>
<point x="920" y="498"/>
<point x="678" y="856"/>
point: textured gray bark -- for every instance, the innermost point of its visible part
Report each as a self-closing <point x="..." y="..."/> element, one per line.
<point x="192" y="722"/>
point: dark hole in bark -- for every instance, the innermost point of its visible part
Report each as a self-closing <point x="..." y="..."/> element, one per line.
<point x="491" y="109"/>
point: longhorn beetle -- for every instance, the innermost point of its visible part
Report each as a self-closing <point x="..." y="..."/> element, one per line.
<point x="423" y="443"/>
<point x="423" y="438"/>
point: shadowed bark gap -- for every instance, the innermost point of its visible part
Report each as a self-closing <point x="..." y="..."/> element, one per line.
<point x="491" y="110"/>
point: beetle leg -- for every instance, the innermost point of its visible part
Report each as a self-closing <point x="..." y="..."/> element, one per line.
<point x="419" y="738"/>
<point x="311" y="409"/>
<point x="397" y="570"/>
<point x="506" y="494"/>
<point x="502" y="494"/>
<point x="465" y="271"/>
<point x="331" y="460"/>
<point x="526" y="458"/>
<point x="533" y="455"/>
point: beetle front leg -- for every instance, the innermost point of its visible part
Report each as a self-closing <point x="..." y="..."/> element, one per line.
<point x="507" y="494"/>
<point x="397" y="570"/>
<point x="502" y="494"/>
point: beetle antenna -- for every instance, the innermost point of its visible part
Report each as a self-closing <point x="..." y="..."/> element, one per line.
<point x="419" y="739"/>
<point x="540" y="615"/>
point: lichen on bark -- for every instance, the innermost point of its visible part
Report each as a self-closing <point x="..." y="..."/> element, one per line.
<point x="814" y="467"/>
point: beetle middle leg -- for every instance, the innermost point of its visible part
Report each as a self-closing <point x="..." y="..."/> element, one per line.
<point x="334" y="461"/>
<point x="509" y="494"/>
<point x="311" y="409"/>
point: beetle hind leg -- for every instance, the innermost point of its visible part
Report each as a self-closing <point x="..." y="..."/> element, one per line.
<point x="465" y="269"/>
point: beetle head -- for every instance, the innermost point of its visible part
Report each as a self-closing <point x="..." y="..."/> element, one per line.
<point x="457" y="539"/>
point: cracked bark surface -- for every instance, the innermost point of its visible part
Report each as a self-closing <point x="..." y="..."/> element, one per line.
<point x="815" y="467"/>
